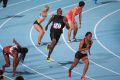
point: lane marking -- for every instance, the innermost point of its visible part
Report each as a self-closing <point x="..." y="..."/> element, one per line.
<point x="44" y="53"/>
<point x="21" y="13"/>
<point x="15" y="4"/>
<point x="95" y="28"/>
<point x="96" y="39"/>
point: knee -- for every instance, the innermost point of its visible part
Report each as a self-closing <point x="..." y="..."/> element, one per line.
<point x="42" y="32"/>
<point x="76" y="28"/>
<point x="87" y="62"/>
<point x="7" y="65"/>
<point x="70" y="29"/>
<point x="54" y="41"/>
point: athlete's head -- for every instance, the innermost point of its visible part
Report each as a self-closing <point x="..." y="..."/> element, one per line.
<point x="19" y="78"/>
<point x="88" y="35"/>
<point x="59" y="11"/>
<point x="81" y="4"/>
<point x="46" y="8"/>
<point x="22" y="50"/>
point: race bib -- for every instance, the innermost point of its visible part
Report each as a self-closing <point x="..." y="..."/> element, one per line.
<point x="57" y="26"/>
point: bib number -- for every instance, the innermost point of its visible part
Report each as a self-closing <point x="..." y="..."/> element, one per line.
<point x="57" y="26"/>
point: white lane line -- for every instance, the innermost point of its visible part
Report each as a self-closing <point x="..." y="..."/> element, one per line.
<point x="96" y="39"/>
<point x="26" y="11"/>
<point x="31" y="68"/>
<point x="45" y="54"/>
<point x="15" y="4"/>
<point x="21" y="13"/>
<point x="8" y="77"/>
<point x="95" y="28"/>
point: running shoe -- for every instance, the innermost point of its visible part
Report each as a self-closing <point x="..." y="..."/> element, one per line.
<point x="48" y="60"/>
<point x="69" y="74"/>
<point x="69" y="41"/>
<point x="83" y="78"/>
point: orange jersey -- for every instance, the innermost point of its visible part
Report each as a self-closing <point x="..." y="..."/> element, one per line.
<point x="77" y="10"/>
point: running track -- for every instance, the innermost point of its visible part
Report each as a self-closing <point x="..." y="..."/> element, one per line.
<point x="16" y="21"/>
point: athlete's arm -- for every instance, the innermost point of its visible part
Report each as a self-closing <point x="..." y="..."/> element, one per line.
<point x="14" y="41"/>
<point x="50" y="20"/>
<point x="80" y="18"/>
<point x="80" y="46"/>
<point x="66" y="23"/>
<point x="89" y="46"/>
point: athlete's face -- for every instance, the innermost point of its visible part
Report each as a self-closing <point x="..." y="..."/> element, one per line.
<point x="89" y="36"/>
<point x="59" y="11"/>
<point x="82" y="6"/>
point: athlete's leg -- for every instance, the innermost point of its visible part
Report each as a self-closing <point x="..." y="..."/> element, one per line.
<point x="76" y="61"/>
<point x="53" y="43"/>
<point x="7" y="60"/>
<point x="70" y="29"/>
<point x="86" y="65"/>
<point x="41" y="32"/>
<point x="75" y="30"/>
<point x="15" y="62"/>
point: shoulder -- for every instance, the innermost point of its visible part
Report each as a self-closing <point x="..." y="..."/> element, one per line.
<point x="76" y="7"/>
<point x="53" y="16"/>
<point x="7" y="47"/>
<point x="82" y="41"/>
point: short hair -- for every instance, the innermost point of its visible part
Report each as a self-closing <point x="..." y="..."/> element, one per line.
<point x="22" y="50"/>
<point x="59" y="9"/>
<point x="81" y="3"/>
<point x="87" y="33"/>
<point x="19" y="78"/>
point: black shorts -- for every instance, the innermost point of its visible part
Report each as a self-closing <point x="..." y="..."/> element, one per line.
<point x="37" y="23"/>
<point x="79" y="55"/>
<point x="55" y="36"/>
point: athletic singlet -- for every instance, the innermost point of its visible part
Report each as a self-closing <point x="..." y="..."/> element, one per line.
<point x="58" y="24"/>
<point x="42" y="17"/>
<point x="12" y="48"/>
<point x="9" y="49"/>
<point x="78" y="11"/>
<point x="84" y="46"/>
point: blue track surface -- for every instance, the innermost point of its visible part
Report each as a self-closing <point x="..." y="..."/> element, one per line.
<point x="102" y="19"/>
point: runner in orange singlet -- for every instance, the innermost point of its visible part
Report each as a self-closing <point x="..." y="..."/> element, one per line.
<point x="71" y="19"/>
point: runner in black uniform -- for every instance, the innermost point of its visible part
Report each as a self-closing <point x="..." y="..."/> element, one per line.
<point x="84" y="48"/>
<point x="58" y="23"/>
<point x="17" y="52"/>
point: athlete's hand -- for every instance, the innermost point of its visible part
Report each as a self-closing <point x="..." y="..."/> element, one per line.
<point x="89" y="52"/>
<point x="80" y="26"/>
<point x="46" y="28"/>
<point x="14" y="41"/>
